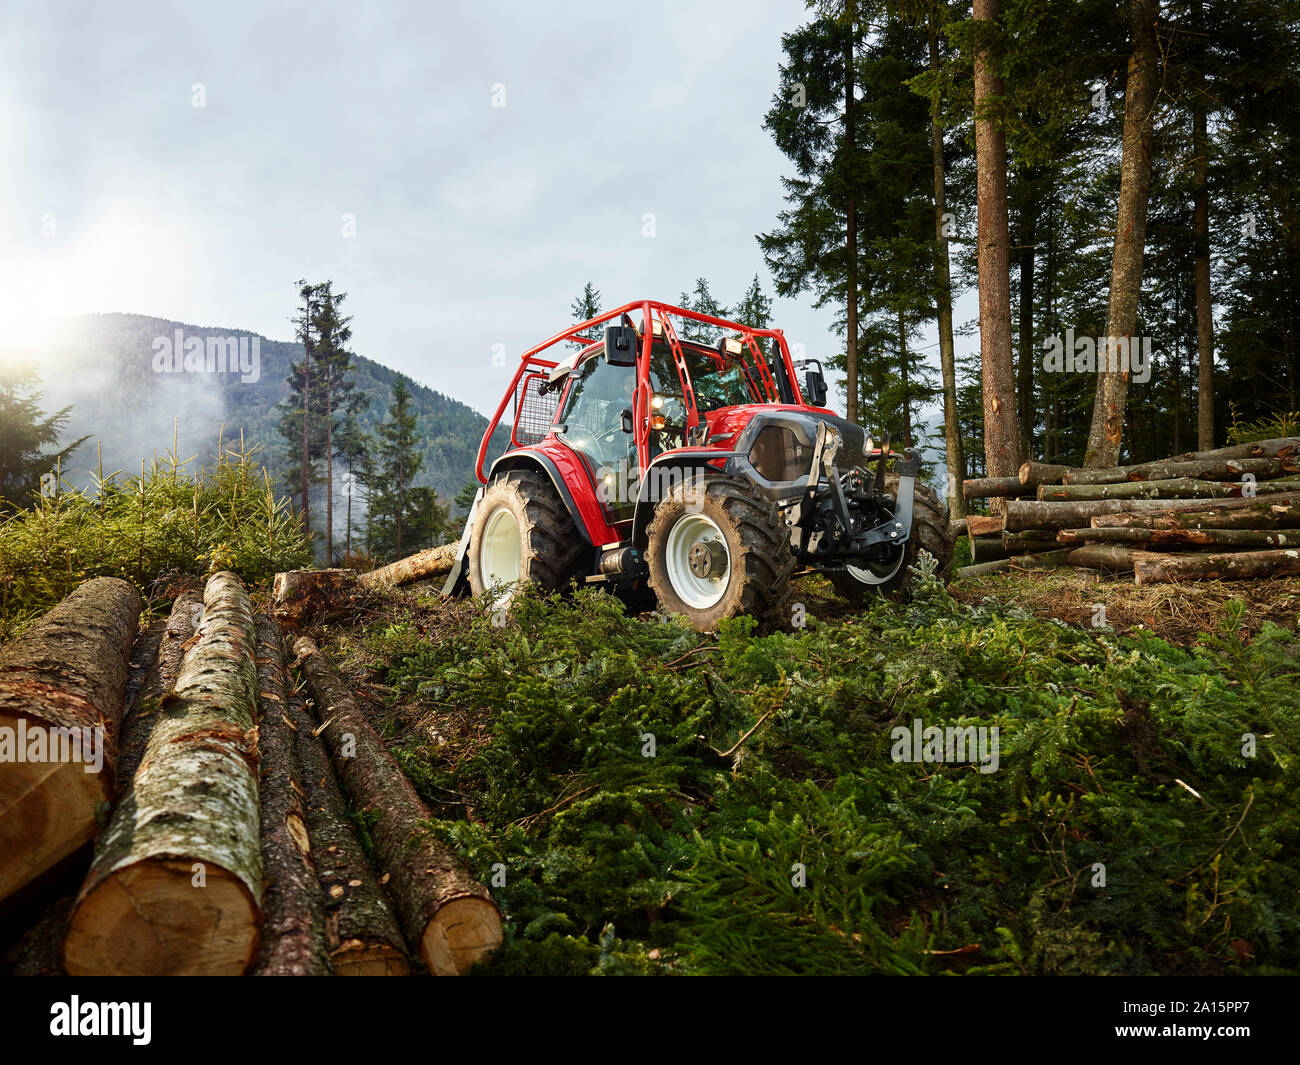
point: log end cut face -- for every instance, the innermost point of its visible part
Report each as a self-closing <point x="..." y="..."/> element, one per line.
<point x="462" y="932"/>
<point x="151" y="919"/>
<point x="47" y="809"/>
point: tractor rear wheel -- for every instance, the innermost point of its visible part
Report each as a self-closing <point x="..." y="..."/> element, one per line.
<point x="522" y="532"/>
<point x="716" y="548"/>
<point x="931" y="531"/>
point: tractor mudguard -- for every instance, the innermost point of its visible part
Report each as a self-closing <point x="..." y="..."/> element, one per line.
<point x="458" y="578"/>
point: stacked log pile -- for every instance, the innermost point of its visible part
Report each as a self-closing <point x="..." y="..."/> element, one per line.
<point x="225" y="841"/>
<point x="1232" y="513"/>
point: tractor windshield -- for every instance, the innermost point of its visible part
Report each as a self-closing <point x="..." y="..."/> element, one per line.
<point x="718" y="381"/>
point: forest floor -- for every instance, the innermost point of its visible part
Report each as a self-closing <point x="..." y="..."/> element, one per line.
<point x="662" y="801"/>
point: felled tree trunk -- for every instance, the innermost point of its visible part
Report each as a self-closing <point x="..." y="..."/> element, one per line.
<point x="1276" y="512"/>
<point x="435" y="562"/>
<point x="176" y="884"/>
<point x="1178" y="488"/>
<point x="164" y="667"/>
<point x="1151" y="568"/>
<point x="988" y="487"/>
<point x="988" y="549"/>
<point x="1114" y="557"/>
<point x="62" y="692"/>
<point x="1189" y="537"/>
<point x="439" y="903"/>
<point x="982" y="525"/>
<point x="293" y="929"/>
<point x="1025" y="514"/>
<point x="361" y="933"/>
<point x="1043" y="560"/>
<point x="1029" y="542"/>
<point x="303" y="594"/>
<point x="1032" y="474"/>
<point x="1202" y="469"/>
<point x="1280" y="446"/>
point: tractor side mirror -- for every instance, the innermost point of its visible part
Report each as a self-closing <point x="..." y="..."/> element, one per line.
<point x="620" y="345"/>
<point x="815" y="388"/>
<point x="625" y="419"/>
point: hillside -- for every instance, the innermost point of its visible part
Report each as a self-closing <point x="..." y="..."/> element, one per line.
<point x="103" y="366"/>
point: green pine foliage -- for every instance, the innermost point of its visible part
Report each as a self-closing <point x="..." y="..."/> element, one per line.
<point x="168" y="520"/>
<point x="665" y="802"/>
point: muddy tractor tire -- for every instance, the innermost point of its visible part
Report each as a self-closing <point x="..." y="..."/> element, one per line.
<point x="931" y="531"/>
<point x="715" y="549"/>
<point x="522" y="534"/>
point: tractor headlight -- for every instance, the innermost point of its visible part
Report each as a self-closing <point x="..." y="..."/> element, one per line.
<point x="777" y="455"/>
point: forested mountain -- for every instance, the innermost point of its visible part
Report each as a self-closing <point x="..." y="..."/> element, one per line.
<point x="105" y="367"/>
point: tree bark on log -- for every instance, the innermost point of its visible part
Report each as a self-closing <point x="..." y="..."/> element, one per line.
<point x="439" y="903"/>
<point x="1044" y="560"/>
<point x="988" y="487"/>
<point x="176" y="884"/>
<point x="1280" y="447"/>
<point x="988" y="549"/>
<point x="1153" y="568"/>
<point x="1201" y="469"/>
<point x="361" y="933"/>
<point x="1178" y="488"/>
<point x="1256" y="538"/>
<point x="160" y="677"/>
<point x="1274" y="512"/>
<point x="1025" y="514"/>
<point x="293" y="928"/>
<point x="435" y="562"/>
<point x="1032" y="474"/>
<point x="62" y="683"/>
<point x="41" y="948"/>
<point x="1029" y="542"/>
<point x="1114" y="557"/>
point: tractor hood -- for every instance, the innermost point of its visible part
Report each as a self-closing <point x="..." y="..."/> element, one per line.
<point x="738" y="429"/>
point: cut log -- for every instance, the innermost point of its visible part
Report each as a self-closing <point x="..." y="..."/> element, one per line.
<point x="1280" y="446"/>
<point x="957" y="528"/>
<point x="1154" y="568"/>
<point x="988" y="487"/>
<point x="1177" y="488"/>
<point x="163" y="668"/>
<point x="176" y="883"/>
<point x="1203" y="469"/>
<point x="41" y="949"/>
<point x="293" y="928"/>
<point x="361" y="931"/>
<point x="439" y="903"/>
<point x="1033" y="474"/>
<point x="983" y="525"/>
<point x="1029" y="542"/>
<point x="301" y="595"/>
<point x="1044" y="560"/>
<point x="1276" y="512"/>
<point x="1114" y="557"/>
<point x="1025" y="514"/>
<point x="1250" y="538"/>
<point x="62" y="692"/>
<point x="435" y="562"/>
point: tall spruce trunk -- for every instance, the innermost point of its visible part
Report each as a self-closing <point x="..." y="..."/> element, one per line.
<point x="1201" y="237"/>
<point x="850" y="239"/>
<point x="1001" y="434"/>
<point x="956" y="459"/>
<point x="1107" y="432"/>
<point x="329" y="467"/>
<point x="1025" y="370"/>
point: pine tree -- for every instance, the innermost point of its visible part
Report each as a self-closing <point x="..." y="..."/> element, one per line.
<point x="701" y="300"/>
<point x="26" y="435"/>
<point x="396" y="507"/>
<point x="586" y="307"/>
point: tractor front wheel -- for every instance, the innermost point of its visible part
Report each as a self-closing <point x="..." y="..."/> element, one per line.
<point x="522" y="532"/>
<point x="716" y="548"/>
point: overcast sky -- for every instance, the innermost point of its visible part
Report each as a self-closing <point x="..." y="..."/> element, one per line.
<point x="474" y="224"/>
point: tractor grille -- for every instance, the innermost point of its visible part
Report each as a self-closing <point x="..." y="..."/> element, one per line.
<point x="778" y="455"/>
<point x="533" y="413"/>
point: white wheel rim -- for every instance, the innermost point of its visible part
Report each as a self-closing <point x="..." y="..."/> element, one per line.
<point x="699" y="593"/>
<point x="870" y="576"/>
<point x="500" y="553"/>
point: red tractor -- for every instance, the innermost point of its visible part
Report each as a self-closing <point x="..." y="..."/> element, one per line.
<point x="686" y="465"/>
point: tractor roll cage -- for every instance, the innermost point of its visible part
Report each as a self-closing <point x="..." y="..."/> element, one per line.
<point x="653" y="314"/>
